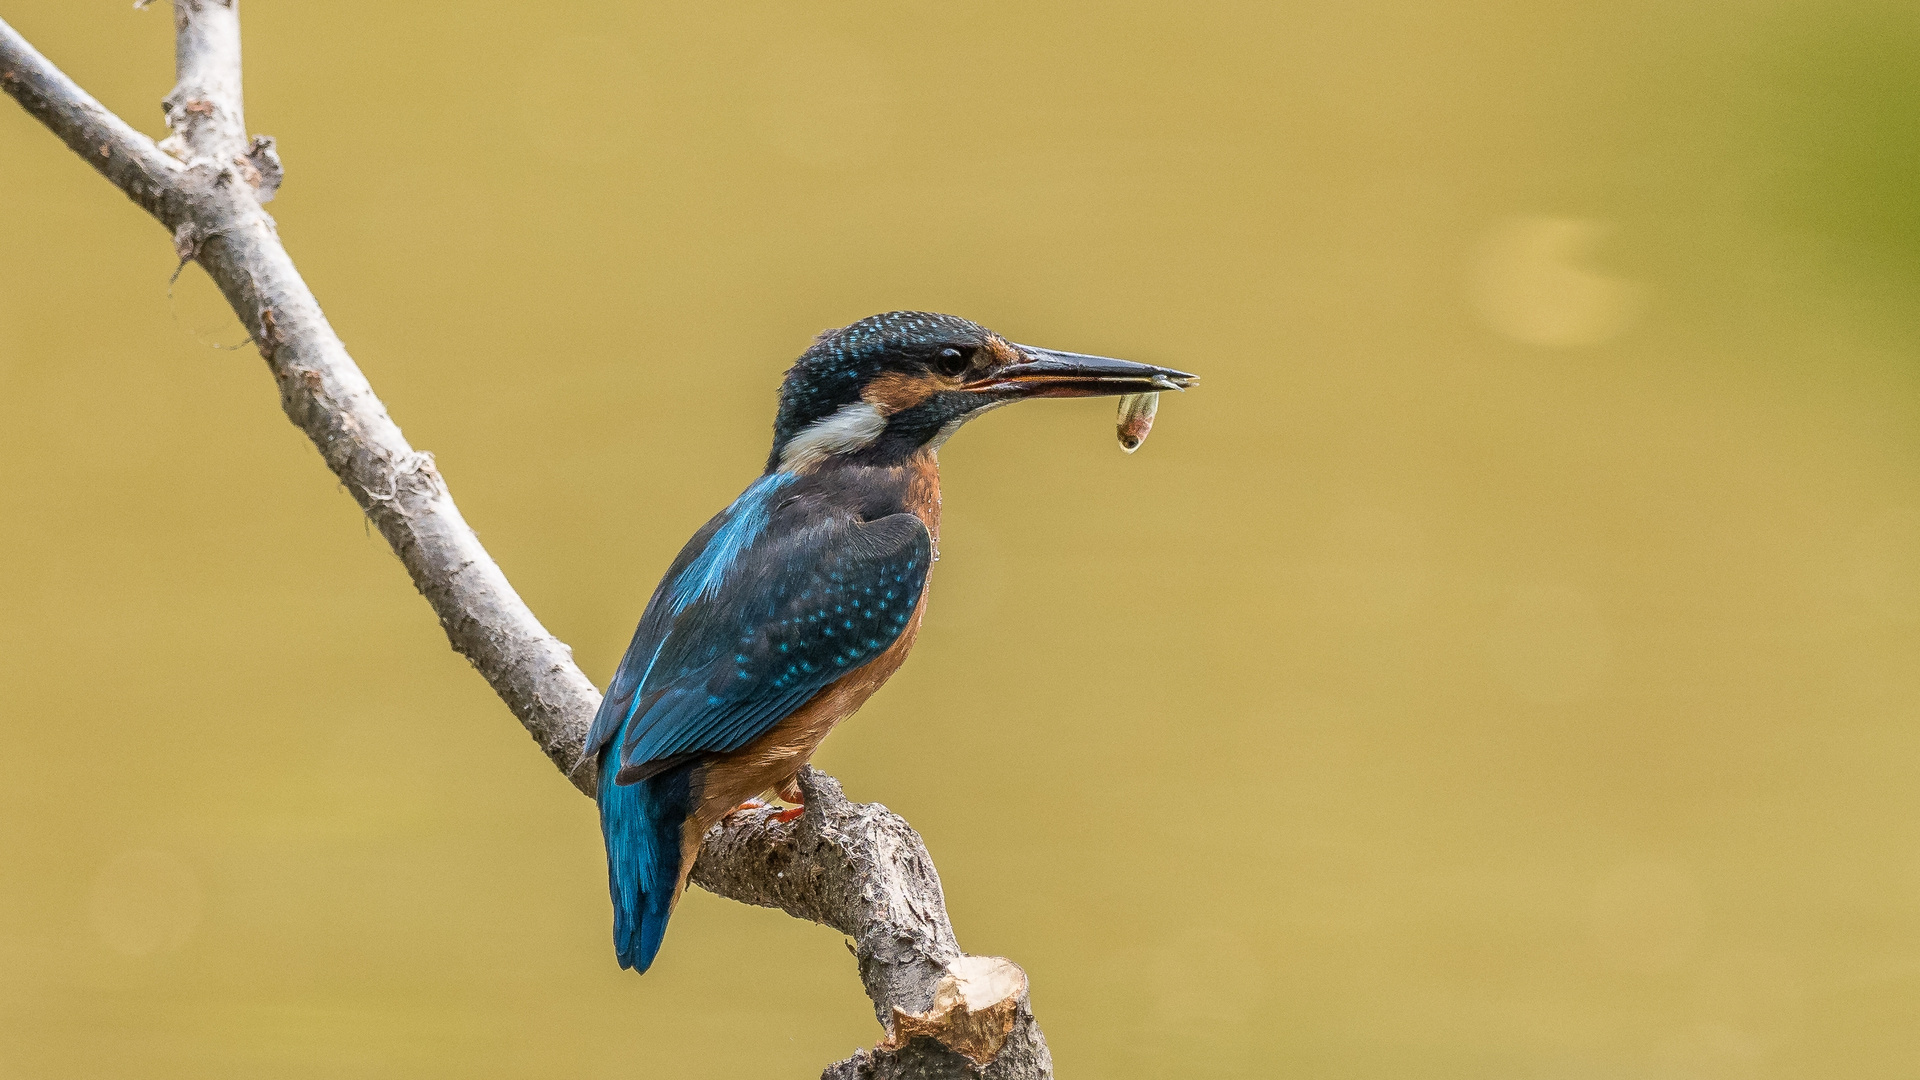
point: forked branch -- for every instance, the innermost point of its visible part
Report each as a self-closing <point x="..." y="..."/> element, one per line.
<point x="857" y="868"/>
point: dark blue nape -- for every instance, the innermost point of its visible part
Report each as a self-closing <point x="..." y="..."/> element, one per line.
<point x="641" y="823"/>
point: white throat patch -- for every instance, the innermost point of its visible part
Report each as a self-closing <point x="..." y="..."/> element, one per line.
<point x="853" y="427"/>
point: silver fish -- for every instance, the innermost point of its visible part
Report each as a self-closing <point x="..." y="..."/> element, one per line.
<point x="1136" y="419"/>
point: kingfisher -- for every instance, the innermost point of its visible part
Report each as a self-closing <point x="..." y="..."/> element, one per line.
<point x="793" y="605"/>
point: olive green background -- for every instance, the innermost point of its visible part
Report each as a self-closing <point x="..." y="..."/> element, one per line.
<point x="1505" y="665"/>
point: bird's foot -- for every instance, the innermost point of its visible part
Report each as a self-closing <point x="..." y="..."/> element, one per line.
<point x="750" y="804"/>
<point x="789" y="792"/>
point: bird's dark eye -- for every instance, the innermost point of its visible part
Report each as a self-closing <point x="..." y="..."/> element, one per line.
<point x="951" y="361"/>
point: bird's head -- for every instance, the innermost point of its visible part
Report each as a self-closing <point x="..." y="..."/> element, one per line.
<point x="890" y="386"/>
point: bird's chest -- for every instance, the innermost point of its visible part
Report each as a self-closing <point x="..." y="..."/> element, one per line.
<point x="921" y="496"/>
<point x="872" y="492"/>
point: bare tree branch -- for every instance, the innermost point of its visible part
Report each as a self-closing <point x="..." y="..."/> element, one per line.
<point x="124" y="156"/>
<point x="861" y="869"/>
<point x="205" y="109"/>
<point x="857" y="868"/>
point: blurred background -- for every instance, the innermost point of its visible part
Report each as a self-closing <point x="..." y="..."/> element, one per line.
<point x="1505" y="665"/>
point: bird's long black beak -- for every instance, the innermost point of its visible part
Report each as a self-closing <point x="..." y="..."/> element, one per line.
<point x="1049" y="373"/>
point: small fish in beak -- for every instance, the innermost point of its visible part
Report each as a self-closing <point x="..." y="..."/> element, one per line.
<point x="1136" y="419"/>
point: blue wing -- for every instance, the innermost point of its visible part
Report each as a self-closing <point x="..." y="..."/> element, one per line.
<point x="750" y="622"/>
<point x="694" y="572"/>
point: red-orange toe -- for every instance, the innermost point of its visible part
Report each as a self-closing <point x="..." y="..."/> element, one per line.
<point x="789" y="814"/>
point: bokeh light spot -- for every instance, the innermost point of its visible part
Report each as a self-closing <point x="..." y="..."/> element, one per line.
<point x="1529" y="284"/>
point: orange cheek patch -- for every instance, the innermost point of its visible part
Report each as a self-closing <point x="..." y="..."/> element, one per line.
<point x="894" y="392"/>
<point x="1002" y="352"/>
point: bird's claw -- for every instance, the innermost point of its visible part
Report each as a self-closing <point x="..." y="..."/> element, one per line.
<point x="789" y="792"/>
<point x="782" y="816"/>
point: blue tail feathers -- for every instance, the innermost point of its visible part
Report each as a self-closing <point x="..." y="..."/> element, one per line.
<point x="642" y="823"/>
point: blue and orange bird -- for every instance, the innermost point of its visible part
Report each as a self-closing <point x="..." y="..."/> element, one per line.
<point x="789" y="609"/>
